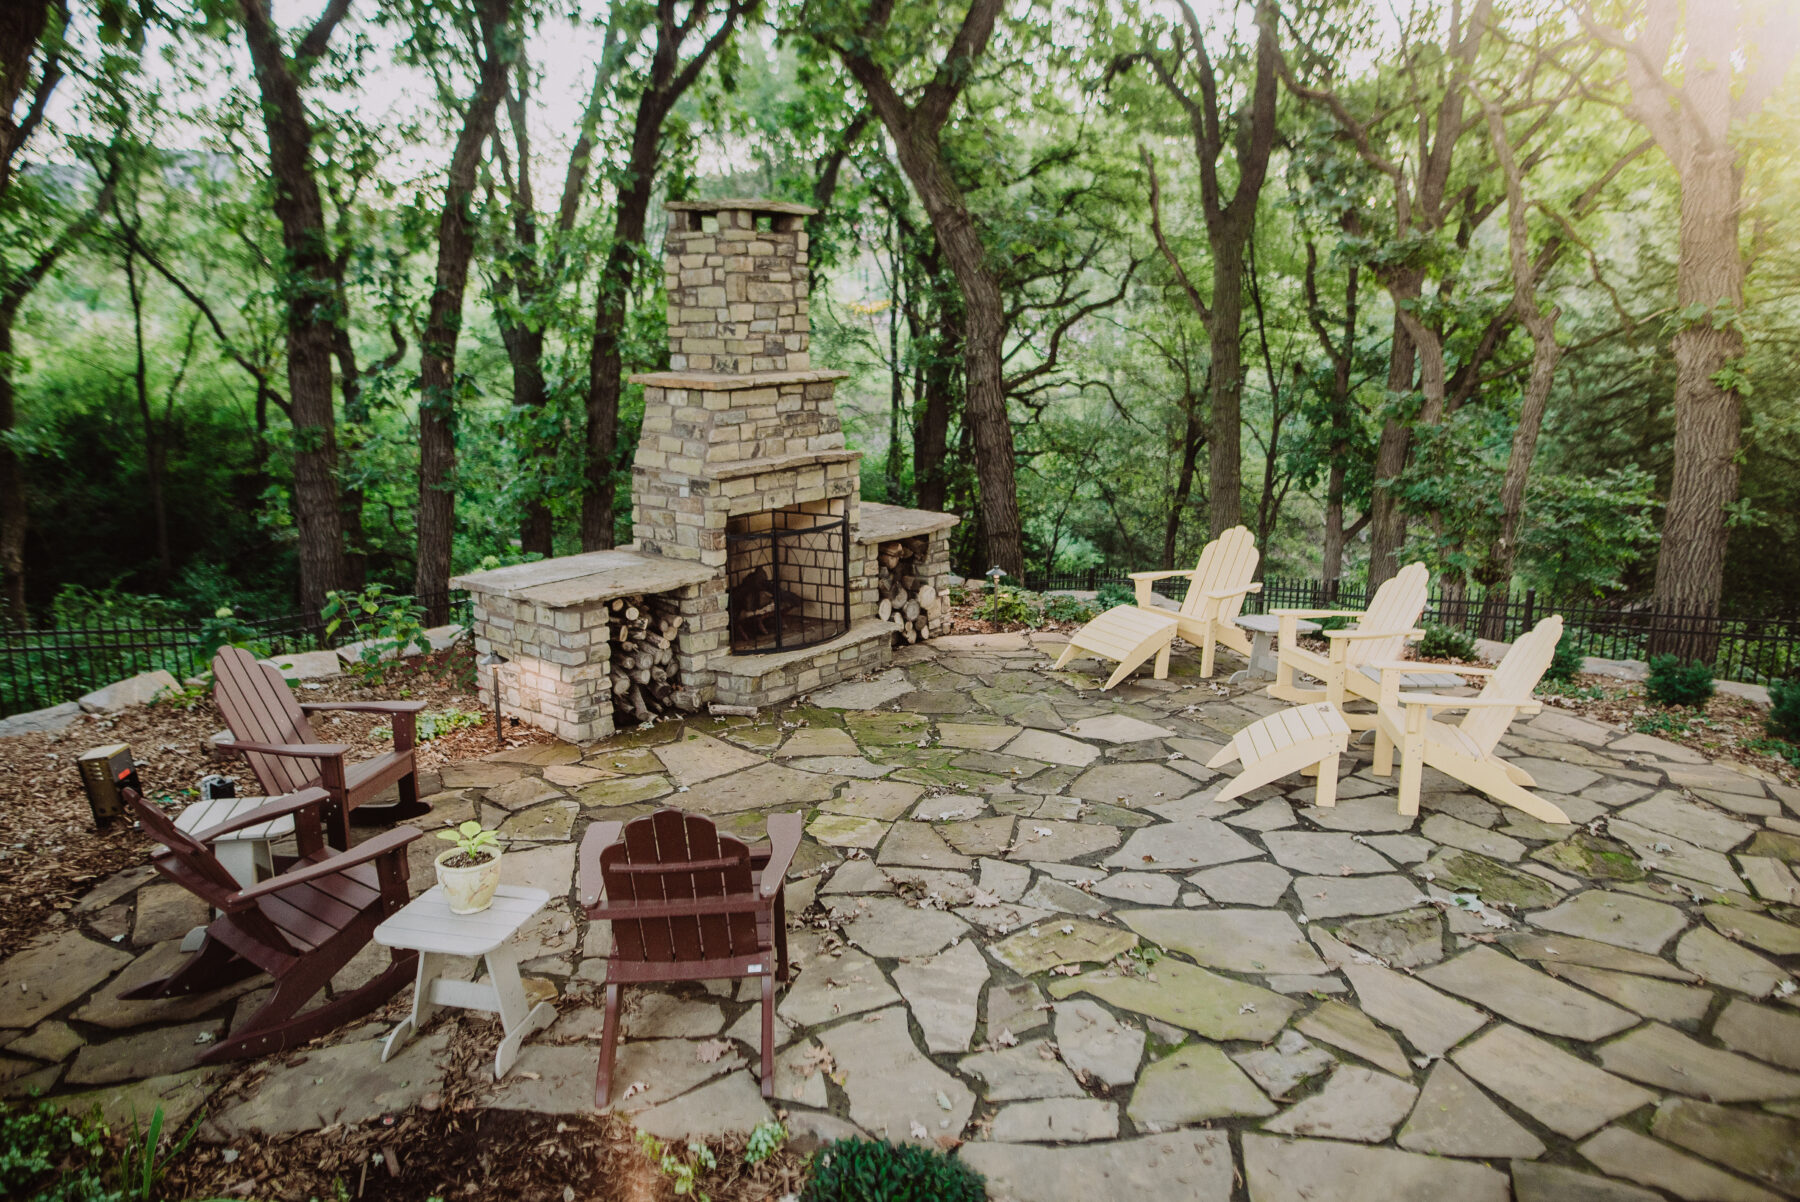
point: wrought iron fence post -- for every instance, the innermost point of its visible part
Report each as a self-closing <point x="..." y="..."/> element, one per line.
<point x="1530" y="610"/>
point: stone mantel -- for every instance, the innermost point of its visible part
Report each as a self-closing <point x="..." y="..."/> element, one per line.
<point x="711" y="381"/>
<point x="886" y="523"/>
<point x="571" y="580"/>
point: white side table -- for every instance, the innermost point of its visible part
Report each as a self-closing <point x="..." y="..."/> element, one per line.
<point x="244" y="854"/>
<point x="1263" y="628"/>
<point x="428" y="927"/>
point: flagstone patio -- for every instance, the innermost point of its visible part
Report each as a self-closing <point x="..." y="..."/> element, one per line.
<point x="1036" y="932"/>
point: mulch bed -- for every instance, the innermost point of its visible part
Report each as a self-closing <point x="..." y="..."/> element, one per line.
<point x="1723" y="729"/>
<point x="50" y="853"/>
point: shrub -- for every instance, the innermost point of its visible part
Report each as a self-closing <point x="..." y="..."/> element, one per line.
<point x="860" y="1170"/>
<point x="1565" y="663"/>
<point x="1446" y="642"/>
<point x="1113" y="594"/>
<point x="1784" y="709"/>
<point x="1060" y="607"/>
<point x="1007" y="606"/>
<point x="1673" y="682"/>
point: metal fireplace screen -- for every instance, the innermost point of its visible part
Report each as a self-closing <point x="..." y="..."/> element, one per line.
<point x="787" y="573"/>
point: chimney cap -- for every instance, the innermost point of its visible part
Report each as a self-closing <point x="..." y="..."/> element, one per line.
<point x="739" y="204"/>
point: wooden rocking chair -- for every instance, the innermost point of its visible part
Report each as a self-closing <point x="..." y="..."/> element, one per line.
<point x="1217" y="586"/>
<point x="1466" y="750"/>
<point x="269" y="729"/>
<point x="300" y="926"/>
<point x="1380" y="636"/>
<point x="688" y="904"/>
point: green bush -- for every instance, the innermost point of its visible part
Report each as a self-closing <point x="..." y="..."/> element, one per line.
<point x="1673" y="682"/>
<point x="1784" y="709"/>
<point x="860" y="1170"/>
<point x="1446" y="642"/>
<point x="1006" y="606"/>
<point x="1060" y="607"/>
<point x="1565" y="663"/>
<point x="1113" y="594"/>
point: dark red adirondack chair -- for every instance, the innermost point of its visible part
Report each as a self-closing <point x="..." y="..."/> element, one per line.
<point x="300" y="926"/>
<point x="269" y="729"/>
<point x="688" y="904"/>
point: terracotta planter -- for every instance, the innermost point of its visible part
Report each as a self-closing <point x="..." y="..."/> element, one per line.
<point x="469" y="890"/>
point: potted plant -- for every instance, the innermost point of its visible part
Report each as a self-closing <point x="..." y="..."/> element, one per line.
<point x="470" y="871"/>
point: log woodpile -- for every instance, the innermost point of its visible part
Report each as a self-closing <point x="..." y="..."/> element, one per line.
<point x="646" y="678"/>
<point x="907" y="599"/>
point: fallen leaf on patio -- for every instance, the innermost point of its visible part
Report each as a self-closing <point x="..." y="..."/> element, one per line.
<point x="711" y="1050"/>
<point x="1006" y="1038"/>
<point x="919" y="1131"/>
<point x="635" y="1088"/>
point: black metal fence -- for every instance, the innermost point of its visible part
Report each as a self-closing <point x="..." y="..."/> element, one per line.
<point x="1756" y="647"/>
<point x="49" y="665"/>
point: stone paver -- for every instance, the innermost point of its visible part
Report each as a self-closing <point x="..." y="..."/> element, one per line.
<point x="1303" y="1170"/>
<point x="1056" y="941"/>
<point x="1245" y="941"/>
<point x="1180" y="846"/>
<point x="1291" y="1060"/>
<point x="1210" y="1005"/>
<point x="943" y="992"/>
<point x="1761" y="1146"/>
<point x="1455" y="1118"/>
<point x="895" y="1092"/>
<point x="1091" y="1041"/>
<point x="1252" y="884"/>
<point x="1356" y="1104"/>
<point x="1030" y="1070"/>
<point x="1563" y="1092"/>
<point x="1757" y="930"/>
<point x="1530" y="998"/>
<point x="1118" y="728"/>
<point x="1339" y="897"/>
<point x="1768" y="1034"/>
<point x="1185" y="1164"/>
<point x="1406" y="940"/>
<point x="1662" y="1056"/>
<point x="53" y="972"/>
<point x="1718" y="961"/>
<point x="1617" y="918"/>
<point x="1639" y="1158"/>
<point x="1533" y="1182"/>
<point x="1647" y="996"/>
<point x="1196" y="1083"/>
<point x="1347" y="1028"/>
<point x="1323" y="854"/>
<point x="1056" y="1120"/>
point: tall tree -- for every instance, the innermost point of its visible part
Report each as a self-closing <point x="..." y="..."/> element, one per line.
<point x="436" y="521"/>
<point x="311" y="282"/>
<point x="1187" y="73"/>
<point x="862" y="43"/>
<point x="1688" y="90"/>
<point x="665" y="81"/>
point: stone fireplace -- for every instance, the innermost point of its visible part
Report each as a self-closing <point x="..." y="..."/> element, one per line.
<point x="746" y="502"/>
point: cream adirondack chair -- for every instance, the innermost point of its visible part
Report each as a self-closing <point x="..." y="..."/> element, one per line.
<point x="1466" y="750"/>
<point x="1380" y="635"/>
<point x="1217" y="586"/>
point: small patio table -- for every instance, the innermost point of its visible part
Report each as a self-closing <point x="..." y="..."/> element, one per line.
<point x="428" y="927"/>
<point x="1263" y="628"/>
<point x="245" y="854"/>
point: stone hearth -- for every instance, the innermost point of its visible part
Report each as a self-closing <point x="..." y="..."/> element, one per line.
<point x="738" y="436"/>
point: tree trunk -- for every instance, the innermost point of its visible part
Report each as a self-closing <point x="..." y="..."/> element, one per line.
<point x="1387" y="522"/>
<point x="154" y="451"/>
<point x="1224" y="333"/>
<point x="1331" y="565"/>
<point x="524" y="340"/>
<point x="1690" y="567"/>
<point x="932" y="406"/>
<point x="1193" y="435"/>
<point x="436" y="524"/>
<point x="311" y="283"/>
<point x="12" y="480"/>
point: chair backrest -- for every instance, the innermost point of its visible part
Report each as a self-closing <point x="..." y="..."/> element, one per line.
<point x="1520" y="669"/>
<point x="259" y="707"/>
<point x="1396" y="606"/>
<point x="673" y="856"/>
<point x="194" y="865"/>
<point x="1228" y="561"/>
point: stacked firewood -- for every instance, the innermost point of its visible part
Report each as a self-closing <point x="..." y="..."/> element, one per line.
<point x="646" y="679"/>
<point x="907" y="599"/>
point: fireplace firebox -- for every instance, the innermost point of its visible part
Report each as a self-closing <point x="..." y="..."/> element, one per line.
<point x="787" y="574"/>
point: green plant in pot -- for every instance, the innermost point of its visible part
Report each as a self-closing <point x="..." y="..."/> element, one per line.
<point x="470" y="871"/>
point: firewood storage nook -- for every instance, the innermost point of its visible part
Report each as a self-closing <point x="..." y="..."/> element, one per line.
<point x="757" y="572"/>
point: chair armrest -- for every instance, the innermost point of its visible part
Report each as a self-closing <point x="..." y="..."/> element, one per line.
<point x="385" y="844"/>
<point x="1226" y="594"/>
<point x="1440" y="701"/>
<point x="784" y="840"/>
<point x="298" y="751"/>
<point x="1372" y="634"/>
<point x="1426" y="665"/>
<point x="276" y="807"/>
<point x="599" y="837"/>
<point x="366" y="707"/>
<point x="1160" y="575"/>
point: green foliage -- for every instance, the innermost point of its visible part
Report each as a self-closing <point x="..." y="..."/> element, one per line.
<point x="1112" y="594"/>
<point x="1575" y="692"/>
<point x="765" y="1140"/>
<point x="683" y="1172"/>
<point x="1783" y="719"/>
<point x="861" y="1170"/>
<point x="1005" y="605"/>
<point x="225" y="629"/>
<point x="47" y="1155"/>
<point x="1060" y="607"/>
<point x="1673" y="682"/>
<point x="1565" y="662"/>
<point x="1585" y="532"/>
<point x="470" y="838"/>
<point x="1781" y="749"/>
<point x="1658" y="724"/>
<point x="385" y="624"/>
<point x="431" y="726"/>
<point x="1446" y="642"/>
